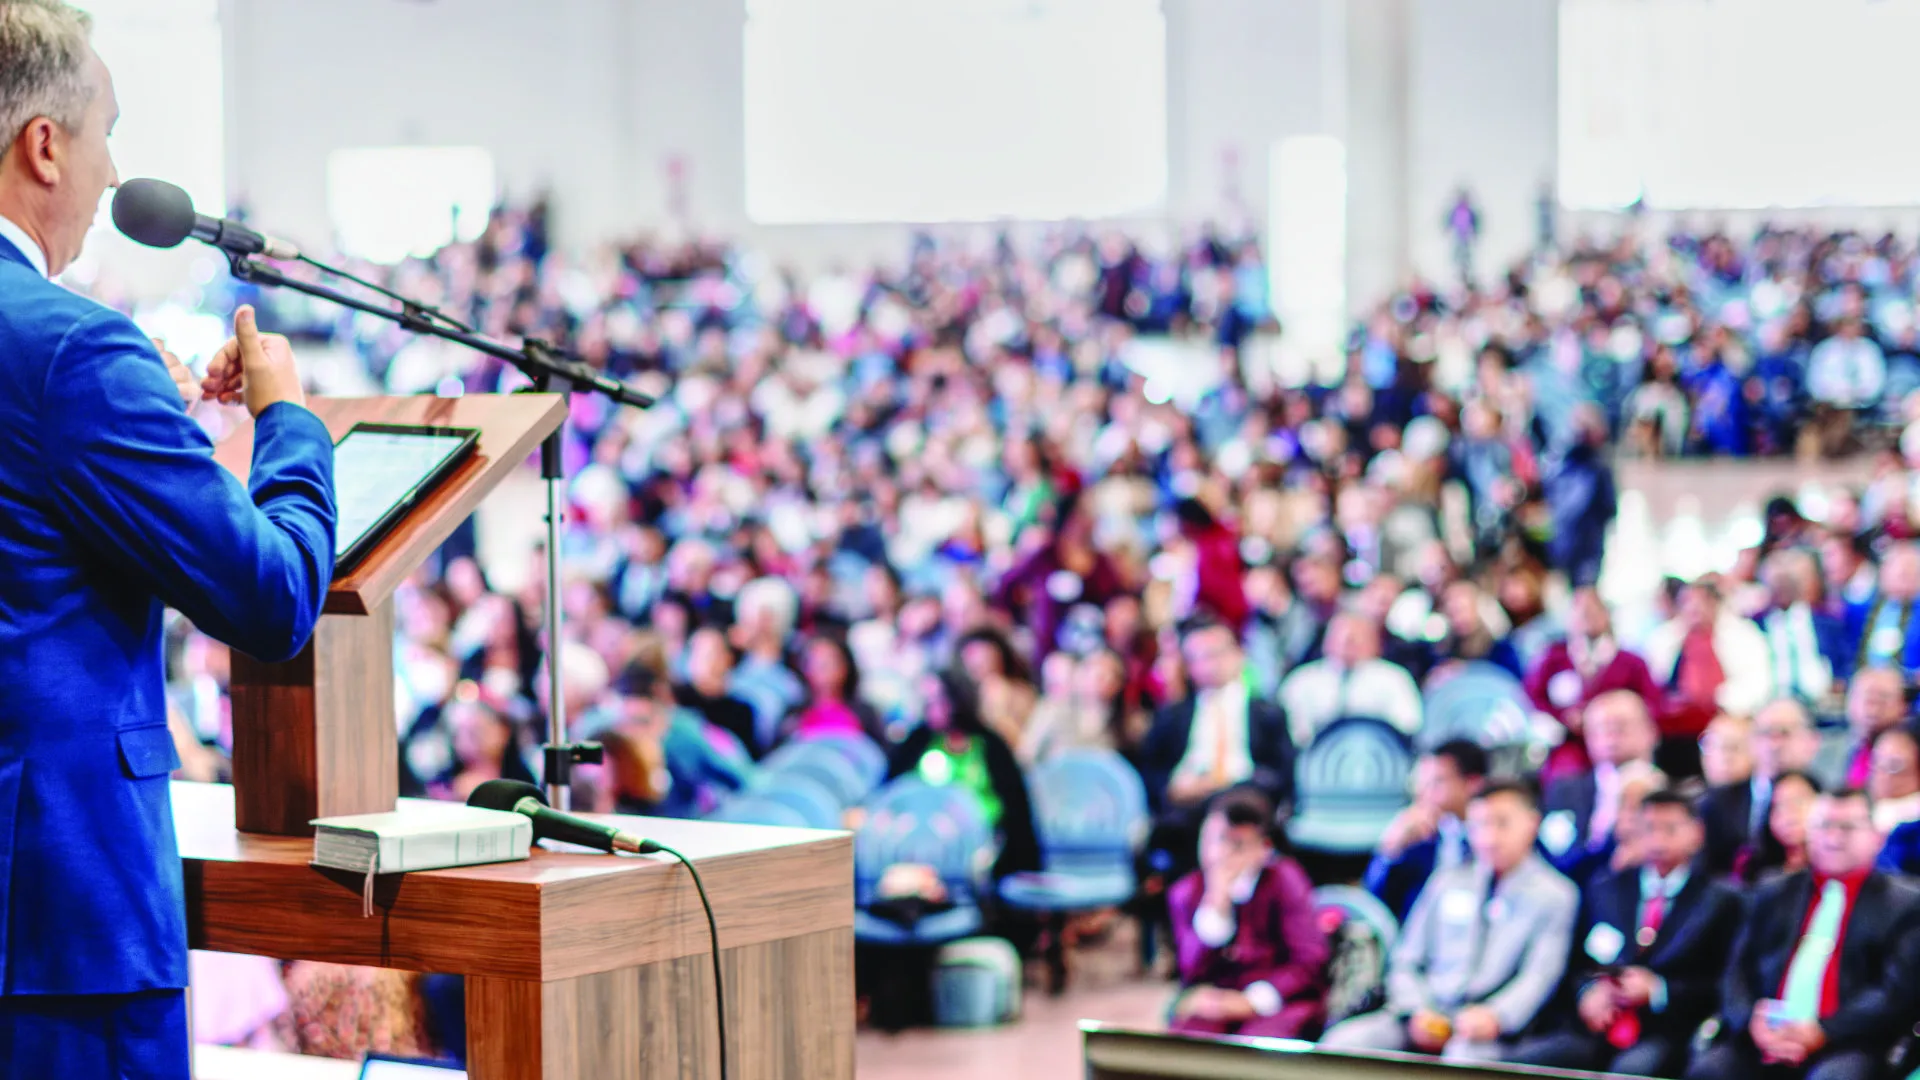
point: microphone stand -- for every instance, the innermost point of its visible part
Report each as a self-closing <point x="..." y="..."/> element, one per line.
<point x="551" y="372"/>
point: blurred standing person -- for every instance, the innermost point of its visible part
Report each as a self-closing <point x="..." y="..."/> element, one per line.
<point x="1581" y="499"/>
<point x="1801" y="637"/>
<point x="115" y="510"/>
<point x="1463" y="230"/>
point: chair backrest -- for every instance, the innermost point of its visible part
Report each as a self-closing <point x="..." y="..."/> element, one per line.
<point x="754" y="810"/>
<point x="1482" y="702"/>
<point x="869" y="761"/>
<point x="817" y="807"/>
<point x="1362" y="932"/>
<point x="911" y="821"/>
<point x="1354" y="763"/>
<point x="1089" y="805"/>
<point x="825" y="764"/>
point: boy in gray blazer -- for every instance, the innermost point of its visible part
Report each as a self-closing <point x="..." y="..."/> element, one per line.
<point x="1483" y="948"/>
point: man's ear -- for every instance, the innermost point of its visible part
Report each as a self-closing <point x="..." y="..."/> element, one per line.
<point x="38" y="149"/>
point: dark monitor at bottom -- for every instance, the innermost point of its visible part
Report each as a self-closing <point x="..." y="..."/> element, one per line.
<point x="382" y="1067"/>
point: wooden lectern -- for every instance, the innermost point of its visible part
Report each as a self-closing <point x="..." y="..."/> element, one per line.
<point x="578" y="966"/>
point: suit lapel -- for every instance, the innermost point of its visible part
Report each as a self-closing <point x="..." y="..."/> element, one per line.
<point x="1678" y="912"/>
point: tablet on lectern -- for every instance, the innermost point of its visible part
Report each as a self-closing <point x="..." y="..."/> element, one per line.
<point x="380" y="471"/>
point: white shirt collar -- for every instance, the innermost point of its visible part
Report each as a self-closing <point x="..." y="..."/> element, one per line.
<point x="17" y="236"/>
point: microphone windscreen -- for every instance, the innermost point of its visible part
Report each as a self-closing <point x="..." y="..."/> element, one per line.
<point x="153" y="212"/>
<point x="503" y="795"/>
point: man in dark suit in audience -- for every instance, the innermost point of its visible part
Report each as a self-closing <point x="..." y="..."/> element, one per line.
<point x="1734" y="814"/>
<point x="1653" y="943"/>
<point x="1220" y="737"/>
<point x="1432" y="833"/>
<point x="1823" y="980"/>
<point x="1579" y="811"/>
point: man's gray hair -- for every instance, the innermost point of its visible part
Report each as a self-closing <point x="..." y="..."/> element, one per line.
<point x="43" y="65"/>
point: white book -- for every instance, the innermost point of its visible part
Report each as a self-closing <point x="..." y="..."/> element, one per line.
<point x="420" y="835"/>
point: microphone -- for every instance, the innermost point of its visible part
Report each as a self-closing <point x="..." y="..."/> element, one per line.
<point x="517" y="797"/>
<point x="159" y="214"/>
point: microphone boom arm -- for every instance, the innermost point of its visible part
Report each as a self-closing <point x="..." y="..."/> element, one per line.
<point x="536" y="359"/>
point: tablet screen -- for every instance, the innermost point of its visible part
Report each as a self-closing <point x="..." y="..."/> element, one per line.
<point x="376" y="471"/>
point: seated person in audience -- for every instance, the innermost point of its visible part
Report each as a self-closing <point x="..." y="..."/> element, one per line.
<point x="1219" y="737"/>
<point x="1574" y="671"/>
<point x="1351" y="680"/>
<point x="1882" y="630"/>
<point x="1894" y="783"/>
<point x="1781" y="847"/>
<point x="1803" y="638"/>
<point x="1430" y="835"/>
<point x="709" y="669"/>
<point x="1876" y="702"/>
<point x="1726" y="751"/>
<point x="678" y="765"/>
<point x="953" y="745"/>
<point x="765" y="612"/>
<point x="1710" y="661"/>
<point x="1654" y="939"/>
<point x="1091" y="714"/>
<point x="1252" y="955"/>
<point x="833" y="704"/>
<point x="1580" y="810"/>
<point x="1484" y="947"/>
<point x="1468" y="637"/>
<point x="1822" y="981"/>
<point x="1736" y="813"/>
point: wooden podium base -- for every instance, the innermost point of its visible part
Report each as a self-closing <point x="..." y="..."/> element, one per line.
<point x="578" y="966"/>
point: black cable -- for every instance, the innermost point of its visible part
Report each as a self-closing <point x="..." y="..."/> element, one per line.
<point x="424" y="309"/>
<point x="713" y="935"/>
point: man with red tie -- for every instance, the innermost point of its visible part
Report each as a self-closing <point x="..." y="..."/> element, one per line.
<point x="1823" y="981"/>
<point x="1654" y="941"/>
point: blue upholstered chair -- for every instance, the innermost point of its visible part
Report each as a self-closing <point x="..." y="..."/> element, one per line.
<point x="1484" y="703"/>
<point x="1348" y="784"/>
<point x="749" y="809"/>
<point x="817" y="807"/>
<point x="911" y="821"/>
<point x="1090" y="809"/>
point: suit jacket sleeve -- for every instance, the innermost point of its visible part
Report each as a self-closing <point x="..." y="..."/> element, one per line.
<point x="135" y="477"/>
<point x="1738" y="991"/>
<point x="1394" y="880"/>
<point x="1543" y="965"/>
<point x="1406" y="968"/>
<point x="1306" y="946"/>
<point x="1272" y="747"/>
<point x="1161" y="750"/>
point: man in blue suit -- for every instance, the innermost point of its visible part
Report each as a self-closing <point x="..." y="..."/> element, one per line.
<point x="112" y="509"/>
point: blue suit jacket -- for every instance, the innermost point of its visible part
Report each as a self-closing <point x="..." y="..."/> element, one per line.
<point x="1397" y="882"/>
<point x="111" y="509"/>
<point x="1901" y="854"/>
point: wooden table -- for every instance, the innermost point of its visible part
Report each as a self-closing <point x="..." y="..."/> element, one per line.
<point x="577" y="965"/>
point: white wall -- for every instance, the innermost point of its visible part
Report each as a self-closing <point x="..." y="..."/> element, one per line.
<point x="1482" y="95"/>
<point x="595" y="97"/>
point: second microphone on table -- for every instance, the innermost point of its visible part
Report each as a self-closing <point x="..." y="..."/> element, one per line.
<point x="516" y="797"/>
